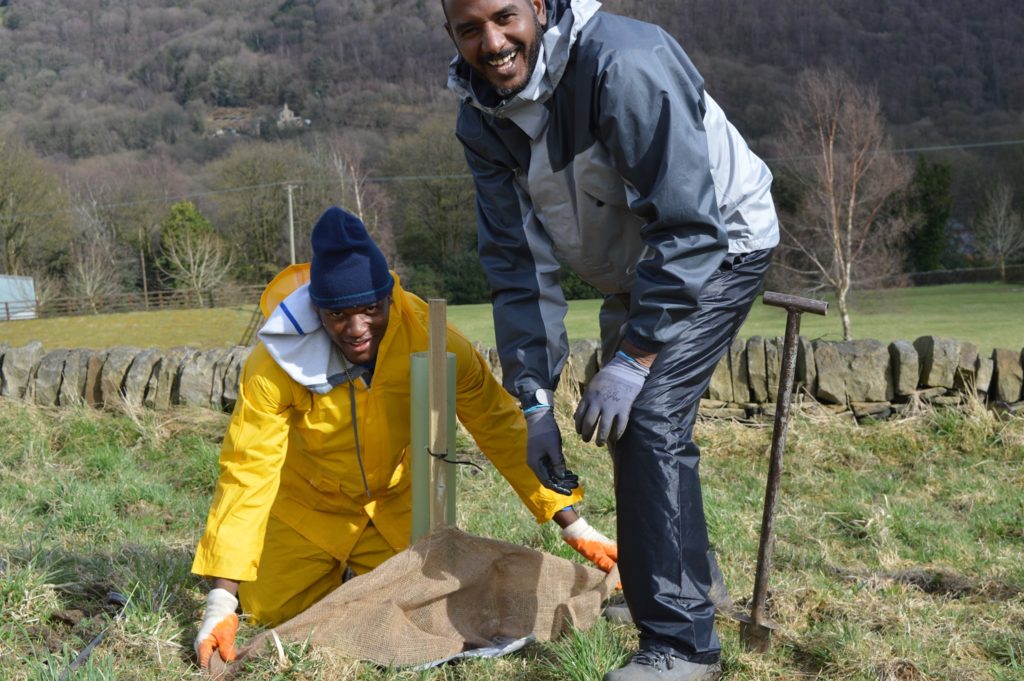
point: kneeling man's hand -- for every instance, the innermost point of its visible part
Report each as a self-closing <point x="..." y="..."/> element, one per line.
<point x="591" y="544"/>
<point x="219" y="627"/>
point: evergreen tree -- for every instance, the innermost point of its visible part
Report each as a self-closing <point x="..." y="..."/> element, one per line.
<point x="930" y="198"/>
<point x="192" y="254"/>
<point x="183" y="221"/>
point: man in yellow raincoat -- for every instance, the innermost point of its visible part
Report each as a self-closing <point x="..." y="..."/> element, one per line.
<point x="315" y="470"/>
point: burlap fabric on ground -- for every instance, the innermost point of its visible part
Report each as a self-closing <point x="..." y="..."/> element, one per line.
<point x="450" y="592"/>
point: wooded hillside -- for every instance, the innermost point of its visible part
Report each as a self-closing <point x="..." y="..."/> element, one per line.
<point x="128" y="102"/>
<point x="87" y="77"/>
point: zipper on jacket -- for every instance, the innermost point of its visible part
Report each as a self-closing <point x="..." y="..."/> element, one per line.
<point x="355" y="427"/>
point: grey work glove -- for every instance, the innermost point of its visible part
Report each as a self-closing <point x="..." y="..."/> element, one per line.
<point x="609" y="397"/>
<point x="544" y="452"/>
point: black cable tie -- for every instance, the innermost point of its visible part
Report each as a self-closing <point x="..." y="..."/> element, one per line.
<point x="443" y="456"/>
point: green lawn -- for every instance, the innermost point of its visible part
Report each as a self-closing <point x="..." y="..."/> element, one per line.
<point x="899" y="549"/>
<point x="989" y="315"/>
<point x="204" y="328"/>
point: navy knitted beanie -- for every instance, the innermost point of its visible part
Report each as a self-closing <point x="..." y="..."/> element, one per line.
<point x="348" y="270"/>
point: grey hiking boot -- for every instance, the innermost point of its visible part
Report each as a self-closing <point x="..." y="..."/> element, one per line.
<point x="655" y="665"/>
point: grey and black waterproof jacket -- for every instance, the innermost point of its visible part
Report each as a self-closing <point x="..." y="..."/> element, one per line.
<point x="615" y="161"/>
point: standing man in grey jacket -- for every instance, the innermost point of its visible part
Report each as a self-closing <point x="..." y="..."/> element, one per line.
<point x="592" y="142"/>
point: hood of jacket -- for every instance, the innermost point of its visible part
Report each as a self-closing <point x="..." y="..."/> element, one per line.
<point x="566" y="18"/>
<point x="295" y="337"/>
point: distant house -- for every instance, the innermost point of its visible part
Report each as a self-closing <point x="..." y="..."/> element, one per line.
<point x="232" y="121"/>
<point x="287" y="119"/>
<point x="240" y="121"/>
<point x="17" y="297"/>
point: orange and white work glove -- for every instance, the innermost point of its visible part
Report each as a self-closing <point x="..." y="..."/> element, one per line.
<point x="219" y="627"/>
<point x="591" y="544"/>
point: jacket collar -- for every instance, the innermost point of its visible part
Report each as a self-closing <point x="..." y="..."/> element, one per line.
<point x="566" y="18"/>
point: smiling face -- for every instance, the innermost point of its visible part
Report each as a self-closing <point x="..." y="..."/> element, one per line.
<point x="500" y="39"/>
<point x="358" y="331"/>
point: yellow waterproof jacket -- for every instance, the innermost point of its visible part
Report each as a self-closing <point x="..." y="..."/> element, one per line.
<point x="292" y="452"/>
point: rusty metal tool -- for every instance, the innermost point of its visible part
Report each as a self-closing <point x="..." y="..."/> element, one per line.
<point x="115" y="598"/>
<point x="756" y="628"/>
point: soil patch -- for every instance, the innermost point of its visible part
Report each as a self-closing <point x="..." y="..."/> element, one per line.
<point x="934" y="581"/>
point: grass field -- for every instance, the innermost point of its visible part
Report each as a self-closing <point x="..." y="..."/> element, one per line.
<point x="989" y="315"/>
<point x="900" y="552"/>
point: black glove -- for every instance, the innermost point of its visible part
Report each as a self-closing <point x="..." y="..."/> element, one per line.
<point x="544" y="452"/>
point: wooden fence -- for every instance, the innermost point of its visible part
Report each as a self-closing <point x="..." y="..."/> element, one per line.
<point x="230" y="296"/>
<point x="132" y="302"/>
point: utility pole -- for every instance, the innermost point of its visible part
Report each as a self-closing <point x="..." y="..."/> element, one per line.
<point x="142" y="261"/>
<point x="291" y="223"/>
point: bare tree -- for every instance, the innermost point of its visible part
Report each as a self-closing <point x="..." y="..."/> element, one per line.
<point x="998" y="229"/>
<point x="93" y="272"/>
<point x="131" y="196"/>
<point x="348" y="162"/>
<point x="192" y="255"/>
<point x="845" y="230"/>
<point x="198" y="261"/>
<point x="48" y="288"/>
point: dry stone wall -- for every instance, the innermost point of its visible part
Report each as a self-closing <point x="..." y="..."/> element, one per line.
<point x="869" y="378"/>
<point x="122" y="376"/>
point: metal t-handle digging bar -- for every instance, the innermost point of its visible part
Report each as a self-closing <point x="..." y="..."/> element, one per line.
<point x="756" y="630"/>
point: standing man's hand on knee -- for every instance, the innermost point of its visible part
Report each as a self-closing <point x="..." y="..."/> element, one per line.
<point x="609" y="397"/>
<point x="219" y="627"/>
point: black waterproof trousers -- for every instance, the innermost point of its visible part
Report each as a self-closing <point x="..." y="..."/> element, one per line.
<point x="662" y="534"/>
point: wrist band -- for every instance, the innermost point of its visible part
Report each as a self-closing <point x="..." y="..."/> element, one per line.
<point x="632" y="360"/>
<point x="536" y="407"/>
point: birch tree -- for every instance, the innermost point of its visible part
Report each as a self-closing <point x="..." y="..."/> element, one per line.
<point x="358" y="193"/>
<point x="998" y="229"/>
<point x="94" y="272"/>
<point x="845" y="230"/>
